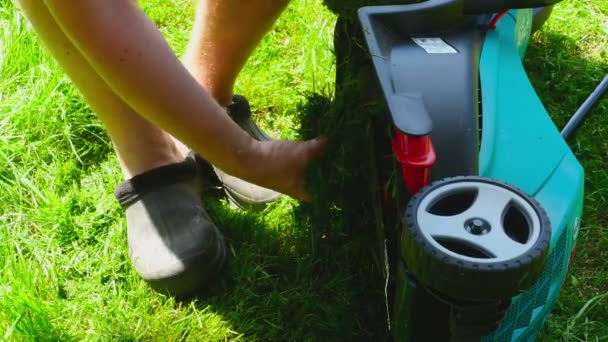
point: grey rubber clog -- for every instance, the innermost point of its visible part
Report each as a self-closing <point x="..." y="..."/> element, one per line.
<point x="173" y="243"/>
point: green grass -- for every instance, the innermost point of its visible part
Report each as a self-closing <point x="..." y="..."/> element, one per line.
<point x="64" y="268"/>
<point x="567" y="60"/>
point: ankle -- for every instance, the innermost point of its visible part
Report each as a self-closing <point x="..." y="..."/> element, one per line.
<point x="134" y="163"/>
<point x="221" y="94"/>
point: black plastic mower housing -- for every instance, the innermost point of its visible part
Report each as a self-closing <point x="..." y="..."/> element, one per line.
<point x="426" y="57"/>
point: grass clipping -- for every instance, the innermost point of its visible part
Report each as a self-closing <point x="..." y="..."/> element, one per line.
<point x="345" y="183"/>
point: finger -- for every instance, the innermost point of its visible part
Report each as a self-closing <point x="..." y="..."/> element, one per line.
<point x="305" y="197"/>
<point x="316" y="148"/>
<point x="299" y="190"/>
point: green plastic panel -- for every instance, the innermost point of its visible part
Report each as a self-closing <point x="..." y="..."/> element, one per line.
<point x="520" y="143"/>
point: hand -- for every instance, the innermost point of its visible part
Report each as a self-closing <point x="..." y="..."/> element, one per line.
<point x="281" y="165"/>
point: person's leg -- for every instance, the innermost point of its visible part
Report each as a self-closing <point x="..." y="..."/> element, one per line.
<point x="140" y="145"/>
<point x="173" y="243"/>
<point x="224" y="35"/>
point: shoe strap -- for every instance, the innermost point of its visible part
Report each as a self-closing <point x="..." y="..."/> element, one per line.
<point x="130" y="191"/>
<point x="239" y="110"/>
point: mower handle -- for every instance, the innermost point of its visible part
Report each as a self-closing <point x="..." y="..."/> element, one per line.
<point x="493" y="6"/>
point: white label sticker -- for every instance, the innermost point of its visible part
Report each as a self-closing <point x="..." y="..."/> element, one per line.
<point x="434" y="45"/>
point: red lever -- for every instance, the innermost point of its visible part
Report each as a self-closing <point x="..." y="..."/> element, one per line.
<point x="417" y="156"/>
<point x="497" y="18"/>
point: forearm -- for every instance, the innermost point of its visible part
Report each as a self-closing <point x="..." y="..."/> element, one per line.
<point x="133" y="58"/>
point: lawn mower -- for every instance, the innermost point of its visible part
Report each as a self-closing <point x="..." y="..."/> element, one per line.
<point x="493" y="194"/>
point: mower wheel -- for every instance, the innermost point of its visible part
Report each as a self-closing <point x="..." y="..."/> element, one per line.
<point x="474" y="238"/>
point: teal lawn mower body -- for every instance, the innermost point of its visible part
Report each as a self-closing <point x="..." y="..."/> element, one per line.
<point x="462" y="106"/>
<point x="522" y="146"/>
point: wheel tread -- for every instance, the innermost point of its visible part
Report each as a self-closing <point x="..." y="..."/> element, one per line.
<point x="468" y="279"/>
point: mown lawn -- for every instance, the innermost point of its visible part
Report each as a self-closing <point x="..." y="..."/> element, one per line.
<point x="64" y="268"/>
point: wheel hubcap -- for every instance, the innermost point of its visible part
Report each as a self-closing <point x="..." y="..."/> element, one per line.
<point x="499" y="224"/>
<point x="477" y="226"/>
